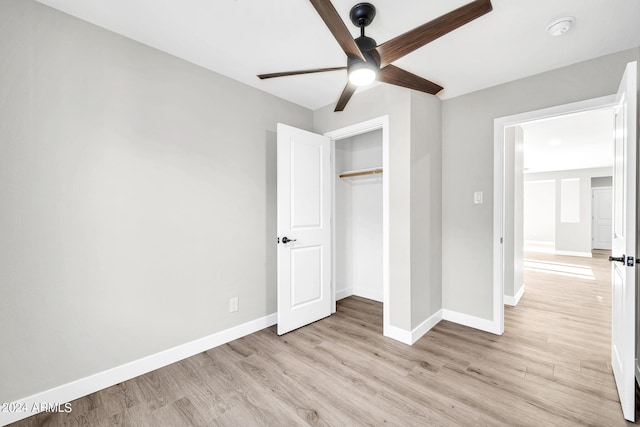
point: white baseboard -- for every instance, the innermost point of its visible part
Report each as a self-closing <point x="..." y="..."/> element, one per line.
<point x="513" y="301"/>
<point x="410" y="337"/>
<point x="573" y="253"/>
<point x="549" y="247"/>
<point x="84" y="386"/>
<point x="539" y="246"/>
<point x="359" y="292"/>
<point x="397" y="334"/>
<point x="368" y="294"/>
<point x="343" y="293"/>
<point x="426" y="326"/>
<point x="471" y="321"/>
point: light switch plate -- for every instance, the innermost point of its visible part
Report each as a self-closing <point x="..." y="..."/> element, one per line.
<point x="477" y="197"/>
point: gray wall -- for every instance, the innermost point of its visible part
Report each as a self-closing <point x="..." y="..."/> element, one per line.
<point x="569" y="237"/>
<point x="394" y="102"/>
<point x="513" y="216"/>
<point x="467" y="165"/>
<point x="426" y="207"/>
<point x="137" y="196"/>
<point x="414" y="165"/>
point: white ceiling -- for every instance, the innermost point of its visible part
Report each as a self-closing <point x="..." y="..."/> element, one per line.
<point x="242" y="38"/>
<point x="577" y="141"/>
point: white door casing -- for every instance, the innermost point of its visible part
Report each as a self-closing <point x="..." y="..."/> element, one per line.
<point x="623" y="296"/>
<point x="623" y="272"/>
<point x="304" y="208"/>
<point x="499" y="159"/>
<point x="602" y="211"/>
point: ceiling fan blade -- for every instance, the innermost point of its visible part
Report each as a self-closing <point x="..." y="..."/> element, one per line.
<point x="348" y="91"/>
<point x="331" y="18"/>
<point x="399" y="77"/>
<point x="295" y="73"/>
<point x="411" y="40"/>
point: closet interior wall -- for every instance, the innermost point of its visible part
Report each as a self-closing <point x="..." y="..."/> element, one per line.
<point x="358" y="217"/>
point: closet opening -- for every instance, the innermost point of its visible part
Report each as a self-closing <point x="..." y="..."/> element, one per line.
<point x="360" y="219"/>
<point x="358" y="216"/>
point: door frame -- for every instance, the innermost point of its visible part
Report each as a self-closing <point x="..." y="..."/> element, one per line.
<point x="499" y="126"/>
<point x="377" y="123"/>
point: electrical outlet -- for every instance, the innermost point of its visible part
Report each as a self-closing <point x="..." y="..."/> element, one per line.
<point x="233" y="304"/>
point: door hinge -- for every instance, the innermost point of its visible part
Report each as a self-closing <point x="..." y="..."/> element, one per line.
<point x="630" y="261"/>
<point x="501" y="240"/>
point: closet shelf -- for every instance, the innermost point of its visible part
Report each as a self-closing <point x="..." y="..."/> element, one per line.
<point x="361" y="172"/>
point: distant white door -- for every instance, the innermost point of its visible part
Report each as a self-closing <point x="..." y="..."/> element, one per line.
<point x="623" y="270"/>
<point x="304" y="229"/>
<point x="602" y="221"/>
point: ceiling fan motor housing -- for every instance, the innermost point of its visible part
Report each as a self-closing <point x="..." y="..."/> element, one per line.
<point x="366" y="43"/>
<point x="367" y="46"/>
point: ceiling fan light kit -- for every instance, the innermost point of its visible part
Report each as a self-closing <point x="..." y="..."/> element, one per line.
<point x="362" y="74"/>
<point x="367" y="61"/>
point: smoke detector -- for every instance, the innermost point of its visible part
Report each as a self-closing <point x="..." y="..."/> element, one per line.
<point x="561" y="26"/>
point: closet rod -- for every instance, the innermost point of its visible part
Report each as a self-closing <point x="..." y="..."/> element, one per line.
<point x="371" y="172"/>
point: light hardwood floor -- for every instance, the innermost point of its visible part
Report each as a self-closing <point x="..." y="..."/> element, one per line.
<point x="550" y="368"/>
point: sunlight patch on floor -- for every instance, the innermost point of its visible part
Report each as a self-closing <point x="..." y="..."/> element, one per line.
<point x="562" y="269"/>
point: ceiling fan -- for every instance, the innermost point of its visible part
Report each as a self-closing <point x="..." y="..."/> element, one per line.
<point x="367" y="61"/>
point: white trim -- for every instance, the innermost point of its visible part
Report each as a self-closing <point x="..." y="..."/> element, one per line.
<point x="397" y="334"/>
<point x="637" y="372"/>
<point x="539" y="246"/>
<point x="359" y="128"/>
<point x="344" y="293"/>
<point x="498" y="232"/>
<point x="369" y="294"/>
<point x="573" y="253"/>
<point x="410" y="337"/>
<point x="540" y="242"/>
<point x="426" y="326"/>
<point x="513" y="301"/>
<point x="87" y="385"/>
<point x="381" y="122"/>
<point x="471" y="321"/>
<point x="499" y="125"/>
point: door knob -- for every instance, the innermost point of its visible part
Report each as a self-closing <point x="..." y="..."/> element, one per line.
<point x="617" y="258"/>
<point x="286" y="240"/>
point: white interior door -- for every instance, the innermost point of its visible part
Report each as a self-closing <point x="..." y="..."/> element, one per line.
<point x="304" y="229"/>
<point x="623" y="270"/>
<point x="602" y="218"/>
